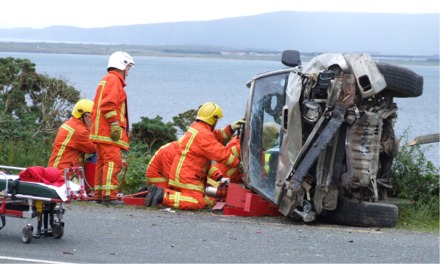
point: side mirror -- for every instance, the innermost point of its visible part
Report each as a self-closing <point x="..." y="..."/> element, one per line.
<point x="291" y="58"/>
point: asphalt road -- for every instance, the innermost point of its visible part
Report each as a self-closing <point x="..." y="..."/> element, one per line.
<point x="98" y="234"/>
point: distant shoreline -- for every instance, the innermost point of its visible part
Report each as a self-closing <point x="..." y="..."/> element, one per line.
<point x="184" y="51"/>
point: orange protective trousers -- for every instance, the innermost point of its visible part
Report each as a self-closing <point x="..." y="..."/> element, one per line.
<point x="183" y="199"/>
<point x="108" y="166"/>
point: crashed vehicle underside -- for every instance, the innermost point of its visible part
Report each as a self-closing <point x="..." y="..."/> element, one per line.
<point x="336" y="141"/>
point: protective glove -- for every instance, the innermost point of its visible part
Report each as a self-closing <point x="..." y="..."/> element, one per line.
<point x="237" y="124"/>
<point x="116" y="131"/>
<point x="225" y="180"/>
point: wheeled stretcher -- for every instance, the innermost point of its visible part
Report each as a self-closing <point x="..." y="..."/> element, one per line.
<point x="25" y="199"/>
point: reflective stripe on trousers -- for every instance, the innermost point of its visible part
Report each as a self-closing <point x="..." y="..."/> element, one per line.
<point x="108" y="166"/>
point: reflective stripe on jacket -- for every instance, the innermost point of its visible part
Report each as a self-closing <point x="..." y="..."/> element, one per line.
<point x="218" y="169"/>
<point x="197" y="149"/>
<point x="70" y="144"/>
<point x="110" y="105"/>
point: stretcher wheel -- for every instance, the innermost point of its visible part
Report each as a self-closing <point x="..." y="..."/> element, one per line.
<point x="57" y="231"/>
<point x="26" y="234"/>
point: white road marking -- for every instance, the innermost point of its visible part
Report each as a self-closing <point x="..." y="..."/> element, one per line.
<point x="33" y="260"/>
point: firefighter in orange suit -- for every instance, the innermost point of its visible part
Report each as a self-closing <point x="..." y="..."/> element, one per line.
<point x="109" y="128"/>
<point x="72" y="140"/>
<point x="200" y="145"/>
<point x="218" y="169"/>
<point x="269" y="138"/>
<point x="158" y="171"/>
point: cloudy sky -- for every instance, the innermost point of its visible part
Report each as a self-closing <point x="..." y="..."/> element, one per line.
<point x="103" y="13"/>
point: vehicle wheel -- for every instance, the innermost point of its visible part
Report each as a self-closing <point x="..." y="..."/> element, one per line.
<point x="26" y="234"/>
<point x="365" y="214"/>
<point x="401" y="82"/>
<point x="57" y="231"/>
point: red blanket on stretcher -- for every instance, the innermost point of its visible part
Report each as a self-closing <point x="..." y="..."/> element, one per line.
<point x="51" y="176"/>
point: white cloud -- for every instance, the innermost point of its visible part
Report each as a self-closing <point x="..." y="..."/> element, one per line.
<point x="99" y="13"/>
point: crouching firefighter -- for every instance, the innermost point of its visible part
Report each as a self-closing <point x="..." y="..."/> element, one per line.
<point x="198" y="147"/>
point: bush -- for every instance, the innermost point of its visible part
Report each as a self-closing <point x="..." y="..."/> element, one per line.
<point x="153" y="133"/>
<point x="137" y="160"/>
<point x="415" y="178"/>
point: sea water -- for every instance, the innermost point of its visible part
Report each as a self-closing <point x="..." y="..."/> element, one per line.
<point x="167" y="86"/>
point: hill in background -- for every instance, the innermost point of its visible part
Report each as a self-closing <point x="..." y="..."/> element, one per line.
<point x="404" y="34"/>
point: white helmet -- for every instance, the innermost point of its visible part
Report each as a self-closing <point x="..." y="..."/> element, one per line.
<point x="120" y="60"/>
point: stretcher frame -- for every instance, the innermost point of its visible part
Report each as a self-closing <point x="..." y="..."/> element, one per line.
<point x="49" y="211"/>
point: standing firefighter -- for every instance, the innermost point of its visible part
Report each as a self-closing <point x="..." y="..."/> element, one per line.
<point x="72" y="140"/>
<point x="110" y="127"/>
<point x="200" y="145"/>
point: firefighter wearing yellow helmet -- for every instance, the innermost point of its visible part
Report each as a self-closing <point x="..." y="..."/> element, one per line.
<point x="72" y="139"/>
<point x="83" y="106"/>
<point x="270" y="137"/>
<point x="198" y="148"/>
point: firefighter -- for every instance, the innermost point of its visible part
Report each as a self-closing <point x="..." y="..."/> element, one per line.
<point x="269" y="137"/>
<point x="72" y="140"/>
<point x="219" y="171"/>
<point x="158" y="171"/>
<point x="109" y="128"/>
<point x="198" y="147"/>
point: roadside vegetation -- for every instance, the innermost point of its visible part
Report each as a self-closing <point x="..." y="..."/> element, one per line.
<point x="33" y="106"/>
<point x="416" y="179"/>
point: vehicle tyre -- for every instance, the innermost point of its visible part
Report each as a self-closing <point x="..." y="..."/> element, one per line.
<point x="401" y="82"/>
<point x="364" y="214"/>
<point x="57" y="231"/>
<point x="26" y="234"/>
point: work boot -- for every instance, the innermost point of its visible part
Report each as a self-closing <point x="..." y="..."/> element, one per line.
<point x="154" y="196"/>
<point x="158" y="197"/>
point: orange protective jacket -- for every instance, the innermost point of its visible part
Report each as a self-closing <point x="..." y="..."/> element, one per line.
<point x="70" y="144"/>
<point x="110" y="105"/>
<point x="158" y="171"/>
<point x="197" y="149"/>
<point x="219" y="169"/>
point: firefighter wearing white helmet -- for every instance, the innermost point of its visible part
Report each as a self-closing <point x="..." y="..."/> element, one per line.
<point x="109" y="130"/>
<point x="120" y="60"/>
<point x="72" y="140"/>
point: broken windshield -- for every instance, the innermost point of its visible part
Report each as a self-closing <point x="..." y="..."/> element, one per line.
<point x="268" y="98"/>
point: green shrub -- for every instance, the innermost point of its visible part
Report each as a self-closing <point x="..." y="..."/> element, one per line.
<point x="137" y="160"/>
<point x="24" y="153"/>
<point x="153" y="133"/>
<point x="416" y="179"/>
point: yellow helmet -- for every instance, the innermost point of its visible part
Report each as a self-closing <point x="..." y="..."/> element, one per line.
<point x="209" y="113"/>
<point x="270" y="132"/>
<point x="81" y="107"/>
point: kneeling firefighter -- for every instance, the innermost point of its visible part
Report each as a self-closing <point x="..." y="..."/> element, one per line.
<point x="198" y="147"/>
<point x="72" y="140"/>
